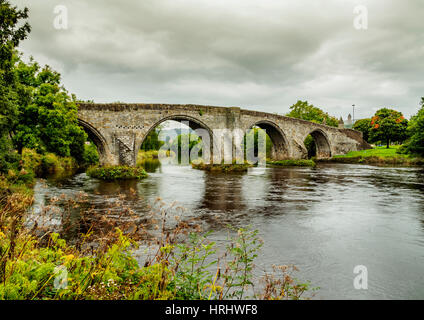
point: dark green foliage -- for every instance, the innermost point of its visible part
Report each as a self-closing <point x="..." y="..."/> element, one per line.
<point x="310" y="146"/>
<point x="9" y="159"/>
<point x="12" y="31"/>
<point x="91" y="155"/>
<point x="305" y="111"/>
<point x="49" y="122"/>
<point x="152" y="141"/>
<point x="364" y="126"/>
<point x="388" y="126"/>
<point x="415" y="145"/>
<point x="117" y="173"/>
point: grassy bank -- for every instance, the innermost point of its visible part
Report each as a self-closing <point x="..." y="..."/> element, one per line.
<point x="377" y="156"/>
<point x="292" y="163"/>
<point x="116" y="173"/>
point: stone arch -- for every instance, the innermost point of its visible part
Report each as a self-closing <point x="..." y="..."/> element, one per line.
<point x="97" y="138"/>
<point x="322" y="143"/>
<point x="194" y="124"/>
<point x="281" y="146"/>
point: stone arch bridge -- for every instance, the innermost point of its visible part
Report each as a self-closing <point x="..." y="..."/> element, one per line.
<point x="118" y="130"/>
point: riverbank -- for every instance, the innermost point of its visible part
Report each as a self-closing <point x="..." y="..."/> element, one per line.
<point x="378" y="156"/>
<point x="107" y="269"/>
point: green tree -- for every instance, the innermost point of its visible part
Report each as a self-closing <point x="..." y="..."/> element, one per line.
<point x="11" y="34"/>
<point x="304" y="110"/>
<point x="415" y="145"/>
<point x="152" y="141"/>
<point x="47" y="120"/>
<point x="388" y="125"/>
<point x="364" y="126"/>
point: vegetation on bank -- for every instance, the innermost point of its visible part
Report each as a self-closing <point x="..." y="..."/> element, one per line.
<point x="293" y="163"/>
<point x="116" y="173"/>
<point x="36" y="263"/>
<point x="34" y="165"/>
<point x="36" y="110"/>
<point x="389" y="126"/>
<point x="378" y="156"/>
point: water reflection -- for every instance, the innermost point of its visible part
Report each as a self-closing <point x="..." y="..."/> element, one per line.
<point x="151" y="165"/>
<point x="222" y="192"/>
<point x="325" y="220"/>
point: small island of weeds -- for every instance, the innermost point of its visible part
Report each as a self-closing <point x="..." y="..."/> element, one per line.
<point x="293" y="163"/>
<point x="211" y="167"/>
<point x="116" y="173"/>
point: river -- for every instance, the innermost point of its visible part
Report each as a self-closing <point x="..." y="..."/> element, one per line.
<point x="324" y="220"/>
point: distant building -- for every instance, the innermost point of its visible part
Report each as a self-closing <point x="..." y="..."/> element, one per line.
<point x="349" y="120"/>
<point x="348" y="124"/>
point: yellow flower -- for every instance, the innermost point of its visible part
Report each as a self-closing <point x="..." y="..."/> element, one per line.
<point x="68" y="257"/>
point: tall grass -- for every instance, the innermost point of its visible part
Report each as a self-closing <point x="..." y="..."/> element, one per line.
<point x="100" y="263"/>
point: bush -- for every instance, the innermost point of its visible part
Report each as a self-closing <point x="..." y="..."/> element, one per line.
<point x="293" y="163"/>
<point x="116" y="173"/>
<point x="50" y="163"/>
<point x="200" y="165"/>
<point x="91" y="155"/>
<point x="9" y="158"/>
<point x="415" y="145"/>
<point x="47" y="164"/>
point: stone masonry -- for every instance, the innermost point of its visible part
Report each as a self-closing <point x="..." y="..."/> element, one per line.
<point x="118" y="130"/>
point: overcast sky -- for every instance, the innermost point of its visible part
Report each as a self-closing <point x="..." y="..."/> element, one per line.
<point x="256" y="54"/>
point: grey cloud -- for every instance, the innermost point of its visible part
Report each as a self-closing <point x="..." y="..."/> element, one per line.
<point x="255" y="54"/>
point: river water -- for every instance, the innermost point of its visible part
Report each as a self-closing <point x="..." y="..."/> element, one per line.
<point x="324" y="220"/>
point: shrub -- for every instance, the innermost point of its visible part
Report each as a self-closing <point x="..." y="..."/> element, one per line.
<point x="50" y="164"/>
<point x="117" y="173"/>
<point x="415" y="144"/>
<point x="200" y="165"/>
<point x="47" y="164"/>
<point x="91" y="155"/>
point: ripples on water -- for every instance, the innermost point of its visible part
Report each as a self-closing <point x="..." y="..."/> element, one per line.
<point x="325" y="220"/>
